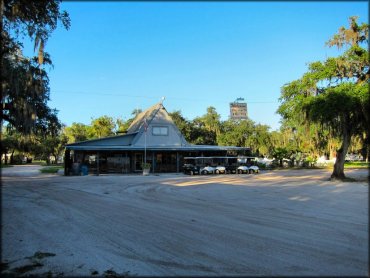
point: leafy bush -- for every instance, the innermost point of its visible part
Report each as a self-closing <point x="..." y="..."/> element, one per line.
<point x="310" y="161"/>
<point x="50" y="170"/>
<point x="146" y="165"/>
<point x="262" y="165"/>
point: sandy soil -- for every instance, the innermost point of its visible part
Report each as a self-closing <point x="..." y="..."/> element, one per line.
<point x="289" y="222"/>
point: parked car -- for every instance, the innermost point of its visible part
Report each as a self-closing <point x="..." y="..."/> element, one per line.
<point x="253" y="169"/>
<point x="190" y="169"/>
<point x="220" y="170"/>
<point x="231" y="169"/>
<point x="242" y="170"/>
<point x="207" y="170"/>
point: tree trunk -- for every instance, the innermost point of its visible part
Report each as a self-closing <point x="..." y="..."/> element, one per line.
<point x="338" y="171"/>
<point x="365" y="150"/>
<point x="12" y="158"/>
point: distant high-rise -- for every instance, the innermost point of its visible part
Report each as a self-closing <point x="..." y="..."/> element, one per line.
<point x="238" y="109"/>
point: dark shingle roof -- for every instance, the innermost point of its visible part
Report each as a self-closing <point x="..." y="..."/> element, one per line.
<point x="118" y="141"/>
<point x="147" y="114"/>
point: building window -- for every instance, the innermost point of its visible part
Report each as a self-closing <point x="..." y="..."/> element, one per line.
<point x="160" y="130"/>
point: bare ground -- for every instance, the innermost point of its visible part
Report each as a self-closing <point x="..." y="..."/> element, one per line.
<point x="289" y="222"/>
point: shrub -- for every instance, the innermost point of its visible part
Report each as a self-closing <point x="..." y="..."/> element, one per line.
<point x="146" y="165"/>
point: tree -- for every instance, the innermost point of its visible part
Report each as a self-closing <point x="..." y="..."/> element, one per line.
<point x="47" y="140"/>
<point x="25" y="84"/>
<point x="335" y="93"/>
<point x="136" y="112"/>
<point x="9" y="144"/>
<point x="206" y="128"/>
<point x="182" y="124"/>
<point x="259" y="140"/>
<point x="280" y="154"/>
<point x="77" y="132"/>
<point x="211" y="120"/>
<point x="102" y="127"/>
<point x="45" y="147"/>
<point x="236" y="133"/>
<point x="199" y="135"/>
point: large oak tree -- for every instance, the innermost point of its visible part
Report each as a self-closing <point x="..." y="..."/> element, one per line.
<point x="335" y="93"/>
<point x="24" y="81"/>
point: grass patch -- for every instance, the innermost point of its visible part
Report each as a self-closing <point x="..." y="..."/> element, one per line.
<point x="5" y="165"/>
<point x="51" y="169"/>
<point x="357" y="164"/>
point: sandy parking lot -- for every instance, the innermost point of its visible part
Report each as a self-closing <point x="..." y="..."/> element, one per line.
<point x="289" y="222"/>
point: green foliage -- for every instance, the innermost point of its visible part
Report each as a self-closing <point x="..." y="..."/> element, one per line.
<point x="25" y="84"/>
<point x="122" y="126"/>
<point x="77" y="132"/>
<point x="280" y="154"/>
<point x="5" y="165"/>
<point x="334" y="94"/>
<point x="182" y="124"/>
<point x="310" y="161"/>
<point x="357" y="164"/>
<point x="205" y="129"/>
<point x="47" y="142"/>
<point x="146" y="165"/>
<point x="102" y="127"/>
<point x="51" y="169"/>
<point x="200" y="135"/>
<point x="211" y="120"/>
<point x="51" y="146"/>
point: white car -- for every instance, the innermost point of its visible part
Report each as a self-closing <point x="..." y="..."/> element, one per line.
<point x="242" y="170"/>
<point x="254" y="169"/>
<point x="207" y="170"/>
<point x="220" y="170"/>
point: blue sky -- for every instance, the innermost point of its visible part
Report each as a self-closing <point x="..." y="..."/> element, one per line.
<point x="118" y="56"/>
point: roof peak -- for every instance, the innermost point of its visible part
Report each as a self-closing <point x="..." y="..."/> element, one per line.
<point x="146" y="114"/>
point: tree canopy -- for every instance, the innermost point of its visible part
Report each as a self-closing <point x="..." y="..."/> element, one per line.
<point x="335" y="93"/>
<point x="25" y="84"/>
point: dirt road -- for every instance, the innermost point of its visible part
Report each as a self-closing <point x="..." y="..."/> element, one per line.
<point x="275" y="223"/>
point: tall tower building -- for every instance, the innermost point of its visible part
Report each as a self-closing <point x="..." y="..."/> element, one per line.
<point x="238" y="109"/>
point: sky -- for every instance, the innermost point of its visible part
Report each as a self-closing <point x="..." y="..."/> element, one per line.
<point x="120" y="56"/>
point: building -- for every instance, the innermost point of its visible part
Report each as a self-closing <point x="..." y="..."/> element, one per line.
<point x="152" y="135"/>
<point x="238" y="109"/>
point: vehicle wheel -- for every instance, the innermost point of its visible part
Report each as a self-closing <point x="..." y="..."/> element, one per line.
<point x="204" y="172"/>
<point x="240" y="171"/>
<point x="217" y="172"/>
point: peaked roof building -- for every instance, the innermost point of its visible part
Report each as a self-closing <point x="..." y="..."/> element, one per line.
<point x="152" y="133"/>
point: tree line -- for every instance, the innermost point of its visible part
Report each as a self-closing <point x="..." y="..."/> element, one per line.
<point x="301" y="144"/>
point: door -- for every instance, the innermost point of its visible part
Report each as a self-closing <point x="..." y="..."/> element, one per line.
<point x="138" y="160"/>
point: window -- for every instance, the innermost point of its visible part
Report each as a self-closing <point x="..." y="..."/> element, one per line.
<point x="160" y="130"/>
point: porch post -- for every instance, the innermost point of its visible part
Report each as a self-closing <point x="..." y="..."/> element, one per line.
<point x="177" y="162"/>
<point x="67" y="162"/>
<point x="97" y="164"/>
<point x="153" y="162"/>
